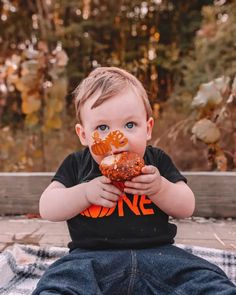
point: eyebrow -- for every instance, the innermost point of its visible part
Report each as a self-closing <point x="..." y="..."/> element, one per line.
<point x="101" y="122"/>
<point x="132" y="117"/>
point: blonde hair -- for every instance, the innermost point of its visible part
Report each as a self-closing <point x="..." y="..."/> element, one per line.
<point x="108" y="82"/>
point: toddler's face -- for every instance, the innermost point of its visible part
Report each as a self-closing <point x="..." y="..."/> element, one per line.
<point x="124" y="112"/>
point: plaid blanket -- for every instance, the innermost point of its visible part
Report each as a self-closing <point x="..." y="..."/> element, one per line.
<point x="21" y="266"/>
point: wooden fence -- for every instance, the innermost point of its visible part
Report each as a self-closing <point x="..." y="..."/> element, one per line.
<point x="215" y="192"/>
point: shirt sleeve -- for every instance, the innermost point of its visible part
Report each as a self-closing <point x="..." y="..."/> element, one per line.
<point x="67" y="173"/>
<point x="168" y="169"/>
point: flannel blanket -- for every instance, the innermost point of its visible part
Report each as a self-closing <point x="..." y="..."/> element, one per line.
<point x="22" y="265"/>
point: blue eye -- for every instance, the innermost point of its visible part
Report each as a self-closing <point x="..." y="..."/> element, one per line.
<point x="102" y="127"/>
<point x="130" y="125"/>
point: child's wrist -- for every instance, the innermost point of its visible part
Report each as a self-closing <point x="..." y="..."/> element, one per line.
<point x="161" y="187"/>
<point x="85" y="186"/>
<point x="163" y="184"/>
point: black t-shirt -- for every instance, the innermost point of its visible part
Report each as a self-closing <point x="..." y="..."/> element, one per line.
<point x="135" y="222"/>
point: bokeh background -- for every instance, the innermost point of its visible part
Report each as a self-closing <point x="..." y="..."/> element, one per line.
<point x="184" y="52"/>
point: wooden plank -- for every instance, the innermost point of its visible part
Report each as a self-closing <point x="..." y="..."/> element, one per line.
<point x="20" y="192"/>
<point x="215" y="192"/>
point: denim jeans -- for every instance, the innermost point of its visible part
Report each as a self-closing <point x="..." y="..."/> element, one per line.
<point x="162" y="270"/>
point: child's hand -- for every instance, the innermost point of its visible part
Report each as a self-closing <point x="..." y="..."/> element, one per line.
<point x="148" y="183"/>
<point x="100" y="191"/>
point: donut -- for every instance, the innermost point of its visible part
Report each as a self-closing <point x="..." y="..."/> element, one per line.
<point x="121" y="167"/>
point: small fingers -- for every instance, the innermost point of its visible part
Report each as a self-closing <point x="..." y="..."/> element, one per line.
<point x="141" y="179"/>
<point x="149" y="174"/>
<point x="149" y="169"/>
<point x="110" y="196"/>
<point x="138" y="179"/>
<point x="104" y="179"/>
<point x="134" y="191"/>
<point x="107" y="204"/>
<point x="136" y="185"/>
<point x="112" y="189"/>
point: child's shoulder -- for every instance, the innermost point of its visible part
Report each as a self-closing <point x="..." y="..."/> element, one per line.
<point x="80" y="154"/>
<point x="152" y="151"/>
<point x="77" y="157"/>
<point x="157" y="157"/>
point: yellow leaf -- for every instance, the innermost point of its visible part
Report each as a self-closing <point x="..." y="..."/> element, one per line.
<point x="54" y="106"/>
<point x="58" y="90"/>
<point x="157" y="36"/>
<point x="53" y="123"/>
<point x="13" y="79"/>
<point x="19" y="85"/>
<point x="37" y="154"/>
<point x="59" y="106"/>
<point x="31" y="81"/>
<point x="31" y="119"/>
<point x="49" y="112"/>
<point x="31" y="104"/>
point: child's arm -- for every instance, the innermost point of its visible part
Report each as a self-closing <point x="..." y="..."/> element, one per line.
<point x="175" y="199"/>
<point x="59" y="203"/>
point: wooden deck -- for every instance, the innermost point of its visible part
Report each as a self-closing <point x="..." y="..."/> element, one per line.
<point x="214" y="233"/>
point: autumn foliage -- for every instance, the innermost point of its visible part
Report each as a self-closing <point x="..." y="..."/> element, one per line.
<point x="182" y="51"/>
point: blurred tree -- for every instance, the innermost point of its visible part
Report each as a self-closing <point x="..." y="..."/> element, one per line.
<point x="214" y="52"/>
<point x="211" y="67"/>
<point x="152" y="39"/>
<point x="146" y="37"/>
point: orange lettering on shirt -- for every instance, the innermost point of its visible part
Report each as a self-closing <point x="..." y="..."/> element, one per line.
<point x="137" y="205"/>
<point x="143" y="201"/>
<point x="133" y="206"/>
<point x="120" y="207"/>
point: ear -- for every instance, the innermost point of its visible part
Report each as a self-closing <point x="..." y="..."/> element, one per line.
<point x="150" y="124"/>
<point x="79" y="129"/>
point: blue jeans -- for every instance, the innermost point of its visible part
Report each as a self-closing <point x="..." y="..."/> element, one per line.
<point x="162" y="270"/>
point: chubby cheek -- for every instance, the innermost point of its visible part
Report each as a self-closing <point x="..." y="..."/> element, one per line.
<point x="138" y="144"/>
<point x="141" y="151"/>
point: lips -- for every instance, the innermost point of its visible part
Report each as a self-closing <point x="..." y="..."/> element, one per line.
<point x="117" y="152"/>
